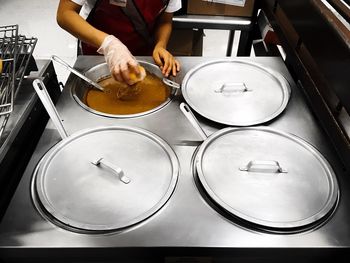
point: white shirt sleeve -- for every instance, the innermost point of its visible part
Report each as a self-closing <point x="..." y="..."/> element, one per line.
<point x="79" y="2"/>
<point x="173" y="6"/>
<point x="87" y="6"/>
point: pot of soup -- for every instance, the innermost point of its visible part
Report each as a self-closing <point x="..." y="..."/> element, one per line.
<point x="120" y="100"/>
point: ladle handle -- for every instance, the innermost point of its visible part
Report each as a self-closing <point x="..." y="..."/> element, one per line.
<point x="67" y="66"/>
<point x="171" y="83"/>
<point x="49" y="106"/>
<point x="193" y="120"/>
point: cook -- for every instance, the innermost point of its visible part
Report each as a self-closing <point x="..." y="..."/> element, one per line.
<point x="119" y="29"/>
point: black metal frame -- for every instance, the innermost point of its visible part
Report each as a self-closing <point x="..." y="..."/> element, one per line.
<point x="27" y="133"/>
<point x="319" y="59"/>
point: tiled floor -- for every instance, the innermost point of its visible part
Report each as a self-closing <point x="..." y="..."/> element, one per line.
<point x="37" y="18"/>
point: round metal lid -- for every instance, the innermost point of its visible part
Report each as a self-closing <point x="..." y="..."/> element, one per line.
<point x="236" y="92"/>
<point x="267" y="177"/>
<point x="135" y="177"/>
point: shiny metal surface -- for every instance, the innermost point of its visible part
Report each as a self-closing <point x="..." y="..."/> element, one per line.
<point x="235" y="92"/>
<point x="212" y="22"/>
<point x="44" y="96"/>
<point x="187" y="223"/>
<point x="193" y="120"/>
<point x="100" y="72"/>
<point x="83" y="77"/>
<point x="115" y="169"/>
<point x="267" y="177"/>
<point x="149" y="167"/>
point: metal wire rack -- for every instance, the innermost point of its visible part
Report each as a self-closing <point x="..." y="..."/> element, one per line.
<point x="8" y="44"/>
<point x="15" y="53"/>
<point x="25" y="48"/>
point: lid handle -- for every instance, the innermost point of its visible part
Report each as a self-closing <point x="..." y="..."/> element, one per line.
<point x="233" y="87"/>
<point x="117" y="170"/>
<point x="262" y="166"/>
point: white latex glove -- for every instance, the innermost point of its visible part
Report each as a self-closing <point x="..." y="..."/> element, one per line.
<point x="119" y="59"/>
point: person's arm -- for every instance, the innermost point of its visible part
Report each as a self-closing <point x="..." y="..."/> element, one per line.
<point x="118" y="57"/>
<point x="167" y="63"/>
<point x="69" y="19"/>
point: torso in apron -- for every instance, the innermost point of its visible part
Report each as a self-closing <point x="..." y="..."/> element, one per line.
<point x="127" y="23"/>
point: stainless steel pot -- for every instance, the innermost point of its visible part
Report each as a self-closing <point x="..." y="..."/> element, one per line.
<point x="105" y="179"/>
<point x="101" y="72"/>
<point x="265" y="177"/>
<point x="235" y="92"/>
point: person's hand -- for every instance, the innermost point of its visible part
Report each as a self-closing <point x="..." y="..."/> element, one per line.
<point x="166" y="62"/>
<point x="119" y="59"/>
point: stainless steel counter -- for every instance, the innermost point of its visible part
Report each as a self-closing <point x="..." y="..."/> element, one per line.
<point x="187" y="225"/>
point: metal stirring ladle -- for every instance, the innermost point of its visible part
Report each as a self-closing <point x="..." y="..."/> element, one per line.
<point x="44" y="96"/>
<point x="193" y="120"/>
<point x="67" y="66"/>
<point x="50" y="107"/>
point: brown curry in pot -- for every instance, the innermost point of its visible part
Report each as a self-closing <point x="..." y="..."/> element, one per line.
<point x="150" y="93"/>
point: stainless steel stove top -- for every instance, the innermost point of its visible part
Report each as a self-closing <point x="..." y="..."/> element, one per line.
<point x="187" y="225"/>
